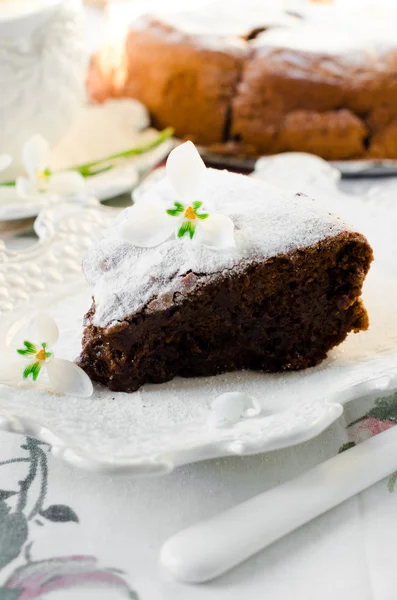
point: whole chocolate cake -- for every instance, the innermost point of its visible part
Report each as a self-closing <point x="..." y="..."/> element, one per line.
<point x="212" y="271"/>
<point x="246" y="79"/>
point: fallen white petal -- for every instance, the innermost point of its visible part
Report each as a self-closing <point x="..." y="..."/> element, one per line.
<point x="35" y="155"/>
<point x="148" y="225"/>
<point x="186" y="172"/>
<point x="67" y="378"/>
<point x="43" y="329"/>
<point x="216" y="232"/>
<point x="65" y="183"/>
<point x="5" y="161"/>
<point x="25" y="188"/>
<point x="228" y="408"/>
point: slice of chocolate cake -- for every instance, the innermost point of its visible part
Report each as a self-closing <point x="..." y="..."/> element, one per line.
<point x="265" y="280"/>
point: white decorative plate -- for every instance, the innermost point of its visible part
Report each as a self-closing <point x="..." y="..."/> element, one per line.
<point x="97" y="132"/>
<point x="348" y="168"/>
<point x="163" y="426"/>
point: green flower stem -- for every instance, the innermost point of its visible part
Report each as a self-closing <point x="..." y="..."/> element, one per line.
<point x="14" y="460"/>
<point x="24" y="485"/>
<point x="89" y="169"/>
<point x="359" y="420"/>
<point x="43" y="487"/>
<point x="137" y="151"/>
<point x="8" y="184"/>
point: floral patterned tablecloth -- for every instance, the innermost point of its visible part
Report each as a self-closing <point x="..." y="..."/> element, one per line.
<point x="66" y="533"/>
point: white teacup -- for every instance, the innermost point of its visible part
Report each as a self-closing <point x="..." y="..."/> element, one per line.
<point x="43" y="64"/>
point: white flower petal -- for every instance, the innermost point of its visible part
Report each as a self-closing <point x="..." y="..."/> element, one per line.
<point x="5" y="161"/>
<point x="35" y="155"/>
<point x="12" y="367"/>
<point x="65" y="183"/>
<point x="148" y="224"/>
<point x="186" y="172"/>
<point x="67" y="378"/>
<point x="43" y="329"/>
<point x="216" y="232"/>
<point x="25" y="188"/>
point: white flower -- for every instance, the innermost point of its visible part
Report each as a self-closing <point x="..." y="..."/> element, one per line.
<point x="36" y="160"/>
<point x="37" y="356"/>
<point x="152" y="223"/>
<point x="5" y="161"/>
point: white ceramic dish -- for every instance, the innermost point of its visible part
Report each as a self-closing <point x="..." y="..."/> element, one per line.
<point x="87" y="140"/>
<point x="348" y="168"/>
<point x="163" y="426"/>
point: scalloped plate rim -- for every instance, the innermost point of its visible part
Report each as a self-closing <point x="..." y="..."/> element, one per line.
<point x="157" y="465"/>
<point x="164" y="462"/>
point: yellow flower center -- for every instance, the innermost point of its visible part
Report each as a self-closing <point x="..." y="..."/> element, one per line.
<point x="189" y="213"/>
<point x="42" y="179"/>
<point x="42" y="176"/>
<point x="41" y="355"/>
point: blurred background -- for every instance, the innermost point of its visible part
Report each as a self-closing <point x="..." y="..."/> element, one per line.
<point x="99" y="80"/>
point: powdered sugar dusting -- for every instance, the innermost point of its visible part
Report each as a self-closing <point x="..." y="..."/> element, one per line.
<point x="355" y="35"/>
<point x="353" y="41"/>
<point x="267" y="222"/>
<point x="223" y="18"/>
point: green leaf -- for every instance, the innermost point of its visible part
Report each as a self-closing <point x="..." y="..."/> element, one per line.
<point x="28" y="370"/>
<point x="187" y="227"/>
<point x="191" y="229"/>
<point x="29" y="349"/>
<point x="4" y="494"/>
<point x="33" y="369"/>
<point x="59" y="513"/>
<point x="385" y="409"/>
<point x="196" y="205"/>
<point x="346" y="446"/>
<point x="174" y="212"/>
<point x="36" y="370"/>
<point x="392" y="482"/>
<point x="30" y="346"/>
<point x="184" y="228"/>
<point x="48" y="354"/>
<point x="13" y="534"/>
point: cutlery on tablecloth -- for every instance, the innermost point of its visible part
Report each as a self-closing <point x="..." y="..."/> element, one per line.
<point x="212" y="547"/>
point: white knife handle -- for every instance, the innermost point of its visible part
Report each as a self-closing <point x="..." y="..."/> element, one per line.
<point x="212" y="547"/>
